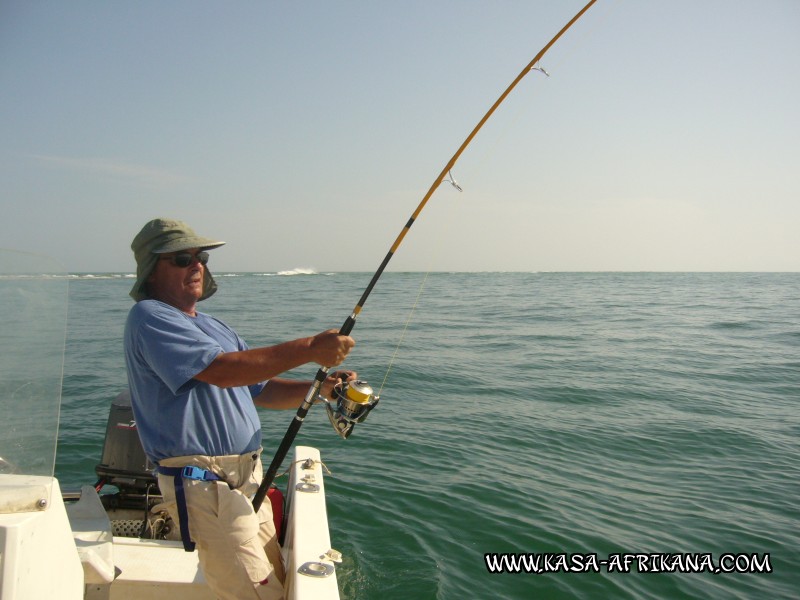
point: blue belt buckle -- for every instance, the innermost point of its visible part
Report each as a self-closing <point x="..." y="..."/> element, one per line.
<point x="195" y="473"/>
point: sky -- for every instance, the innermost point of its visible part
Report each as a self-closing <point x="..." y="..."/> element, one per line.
<point x="304" y="134"/>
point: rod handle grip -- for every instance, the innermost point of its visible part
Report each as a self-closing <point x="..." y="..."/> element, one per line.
<point x="348" y="325"/>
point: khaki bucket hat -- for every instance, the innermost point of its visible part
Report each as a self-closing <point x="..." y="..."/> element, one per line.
<point x="160" y="236"/>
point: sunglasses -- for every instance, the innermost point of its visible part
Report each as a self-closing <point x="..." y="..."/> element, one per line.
<point x="184" y="259"/>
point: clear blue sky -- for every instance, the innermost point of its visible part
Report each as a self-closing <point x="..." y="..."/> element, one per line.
<point x="305" y="133"/>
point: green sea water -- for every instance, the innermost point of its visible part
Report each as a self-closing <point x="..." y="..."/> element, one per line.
<point x="558" y="414"/>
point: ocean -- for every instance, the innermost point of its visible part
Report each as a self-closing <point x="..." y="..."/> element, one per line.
<point x="539" y="435"/>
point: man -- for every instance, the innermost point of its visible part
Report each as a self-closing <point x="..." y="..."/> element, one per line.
<point x="194" y="388"/>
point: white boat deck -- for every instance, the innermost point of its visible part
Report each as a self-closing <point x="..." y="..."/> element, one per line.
<point x="36" y="533"/>
<point x="158" y="570"/>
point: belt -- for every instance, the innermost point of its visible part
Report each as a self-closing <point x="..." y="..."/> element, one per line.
<point x="181" y="473"/>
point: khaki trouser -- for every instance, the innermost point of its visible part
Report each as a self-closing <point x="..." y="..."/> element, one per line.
<point x="237" y="549"/>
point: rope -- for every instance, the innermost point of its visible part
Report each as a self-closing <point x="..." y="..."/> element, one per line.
<point x="316" y="462"/>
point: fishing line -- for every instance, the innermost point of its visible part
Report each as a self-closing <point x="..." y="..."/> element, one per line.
<point x="431" y="256"/>
<point x="403" y="332"/>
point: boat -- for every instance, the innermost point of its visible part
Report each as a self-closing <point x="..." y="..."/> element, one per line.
<point x="110" y="540"/>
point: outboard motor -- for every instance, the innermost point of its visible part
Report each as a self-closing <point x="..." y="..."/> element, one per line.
<point x="125" y="466"/>
<point x="124" y="463"/>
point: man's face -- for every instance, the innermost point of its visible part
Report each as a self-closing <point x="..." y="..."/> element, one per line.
<point x="178" y="286"/>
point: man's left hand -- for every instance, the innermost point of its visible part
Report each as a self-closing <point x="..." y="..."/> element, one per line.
<point x="336" y="378"/>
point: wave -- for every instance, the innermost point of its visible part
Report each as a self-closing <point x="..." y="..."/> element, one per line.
<point x="297" y="271"/>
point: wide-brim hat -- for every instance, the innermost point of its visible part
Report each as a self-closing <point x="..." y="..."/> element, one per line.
<point x="160" y="236"/>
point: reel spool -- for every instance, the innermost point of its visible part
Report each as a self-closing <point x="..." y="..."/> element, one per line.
<point x="351" y="403"/>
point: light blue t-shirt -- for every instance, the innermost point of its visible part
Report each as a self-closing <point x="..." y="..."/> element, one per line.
<point x="177" y="415"/>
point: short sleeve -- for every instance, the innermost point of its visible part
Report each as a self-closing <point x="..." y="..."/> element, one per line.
<point x="174" y="347"/>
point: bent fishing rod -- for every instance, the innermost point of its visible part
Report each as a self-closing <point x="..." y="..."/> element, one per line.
<point x="354" y="403"/>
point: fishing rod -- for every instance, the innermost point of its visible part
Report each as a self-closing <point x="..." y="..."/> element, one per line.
<point x="355" y="400"/>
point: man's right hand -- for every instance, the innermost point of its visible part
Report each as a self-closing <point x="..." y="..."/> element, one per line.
<point x="329" y="349"/>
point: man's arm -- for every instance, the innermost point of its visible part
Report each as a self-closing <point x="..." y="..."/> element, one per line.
<point x="247" y="367"/>
<point x="282" y="394"/>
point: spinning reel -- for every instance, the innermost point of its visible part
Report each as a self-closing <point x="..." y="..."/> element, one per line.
<point x="352" y="401"/>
